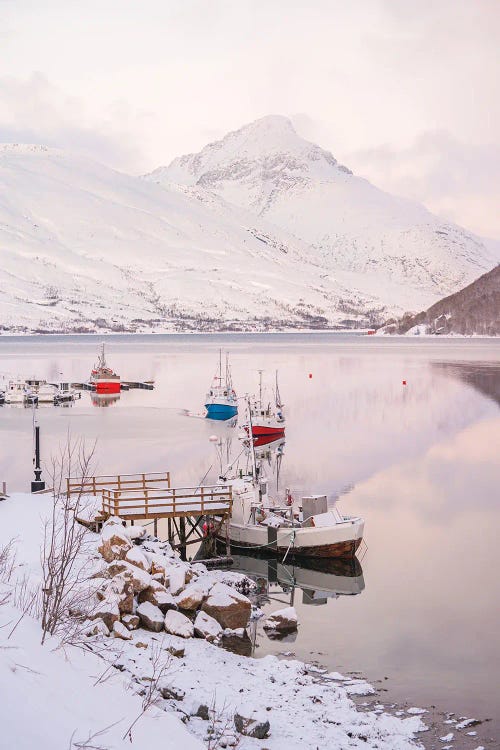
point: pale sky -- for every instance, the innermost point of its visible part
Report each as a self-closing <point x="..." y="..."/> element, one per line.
<point x="404" y="92"/>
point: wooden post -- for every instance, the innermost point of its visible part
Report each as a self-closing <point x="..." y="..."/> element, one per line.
<point x="170" y="538"/>
<point x="115" y="494"/>
<point x="228" y="540"/>
<point x="155" y="527"/>
<point x="182" y="537"/>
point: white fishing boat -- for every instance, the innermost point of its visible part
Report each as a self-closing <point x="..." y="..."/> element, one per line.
<point x="312" y="528"/>
<point x="65" y="393"/>
<point x="45" y="392"/>
<point x="17" y="392"/>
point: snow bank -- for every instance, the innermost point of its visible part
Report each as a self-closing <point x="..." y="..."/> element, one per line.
<point x="203" y="680"/>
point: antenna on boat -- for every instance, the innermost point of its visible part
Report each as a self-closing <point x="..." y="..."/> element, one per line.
<point x="260" y="387"/>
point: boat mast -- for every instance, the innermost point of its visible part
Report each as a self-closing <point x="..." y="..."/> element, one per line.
<point x="220" y="366"/>
<point x="278" y="395"/>
<point x="250" y="438"/>
<point x="260" y="388"/>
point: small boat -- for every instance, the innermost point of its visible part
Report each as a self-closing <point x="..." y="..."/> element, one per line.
<point x="18" y="392"/>
<point x="103" y="377"/>
<point x="268" y="420"/>
<point x="45" y="392"/>
<point x="65" y="393"/>
<point x="221" y="401"/>
<point x="315" y="528"/>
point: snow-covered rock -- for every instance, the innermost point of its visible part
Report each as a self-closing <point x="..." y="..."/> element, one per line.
<point x="176" y="575"/>
<point x="140" y="578"/>
<point x="121" y="631"/>
<point x="207" y="627"/>
<point x="252" y="723"/>
<point x="178" y="624"/>
<point x="95" y="627"/>
<point x="114" y="542"/>
<point x="158" y="595"/>
<point x="108" y="612"/>
<point x="190" y="598"/>
<point x="282" y="621"/>
<point x="136" y="557"/>
<point x="150" y="617"/>
<point x="230" y="608"/>
<point x="131" y="621"/>
<point x="134" y="532"/>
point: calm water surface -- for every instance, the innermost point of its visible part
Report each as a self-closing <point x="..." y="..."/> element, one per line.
<point x="420" y="462"/>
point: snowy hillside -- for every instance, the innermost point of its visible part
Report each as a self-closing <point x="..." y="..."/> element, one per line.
<point x="350" y="227"/>
<point x="260" y="230"/>
<point x="86" y="248"/>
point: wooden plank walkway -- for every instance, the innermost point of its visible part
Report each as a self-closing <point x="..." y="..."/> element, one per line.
<point x="176" y="502"/>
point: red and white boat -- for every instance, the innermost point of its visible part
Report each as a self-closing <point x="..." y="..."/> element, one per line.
<point x="103" y="377"/>
<point x="266" y="420"/>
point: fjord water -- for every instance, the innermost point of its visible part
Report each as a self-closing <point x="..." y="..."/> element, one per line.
<point x="420" y="462"/>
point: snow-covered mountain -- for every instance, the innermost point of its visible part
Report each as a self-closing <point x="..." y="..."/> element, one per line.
<point x="86" y="248"/>
<point x="261" y="229"/>
<point x="349" y="226"/>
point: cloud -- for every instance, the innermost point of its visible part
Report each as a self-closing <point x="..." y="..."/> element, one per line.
<point x="33" y="110"/>
<point x="457" y="180"/>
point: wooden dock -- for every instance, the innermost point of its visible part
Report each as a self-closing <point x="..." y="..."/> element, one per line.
<point x="150" y="496"/>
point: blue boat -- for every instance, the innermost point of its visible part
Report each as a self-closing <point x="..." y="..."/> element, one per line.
<point x="222" y="401"/>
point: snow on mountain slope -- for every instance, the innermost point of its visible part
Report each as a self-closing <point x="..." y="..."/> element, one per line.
<point x="349" y="226"/>
<point x="84" y="247"/>
<point x="261" y="229"/>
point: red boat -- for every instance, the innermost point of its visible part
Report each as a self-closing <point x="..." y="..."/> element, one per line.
<point x="103" y="377"/>
<point x="268" y="421"/>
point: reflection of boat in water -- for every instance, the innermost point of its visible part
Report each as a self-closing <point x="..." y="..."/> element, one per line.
<point x="319" y="580"/>
<point x="104" y="399"/>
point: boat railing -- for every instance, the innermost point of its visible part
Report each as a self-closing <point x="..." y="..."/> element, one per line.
<point x="171" y="502"/>
<point x="95" y="485"/>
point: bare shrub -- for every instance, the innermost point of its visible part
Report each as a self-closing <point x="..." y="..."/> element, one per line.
<point x="64" y="596"/>
<point x="160" y="664"/>
<point x="220" y="725"/>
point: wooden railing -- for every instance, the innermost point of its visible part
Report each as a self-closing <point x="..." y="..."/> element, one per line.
<point x="95" y="485"/>
<point x="178" y="501"/>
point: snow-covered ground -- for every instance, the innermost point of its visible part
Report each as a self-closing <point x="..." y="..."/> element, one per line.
<point x="96" y="690"/>
<point x="261" y="229"/>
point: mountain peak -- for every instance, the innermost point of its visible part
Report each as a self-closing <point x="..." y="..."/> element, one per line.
<point x="268" y="150"/>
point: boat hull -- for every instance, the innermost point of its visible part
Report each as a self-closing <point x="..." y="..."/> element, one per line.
<point x="266" y="431"/>
<point x="340" y="541"/>
<point x="221" y="412"/>
<point x="107" y="386"/>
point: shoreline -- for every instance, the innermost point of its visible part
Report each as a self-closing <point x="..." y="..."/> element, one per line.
<point x="202" y="674"/>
